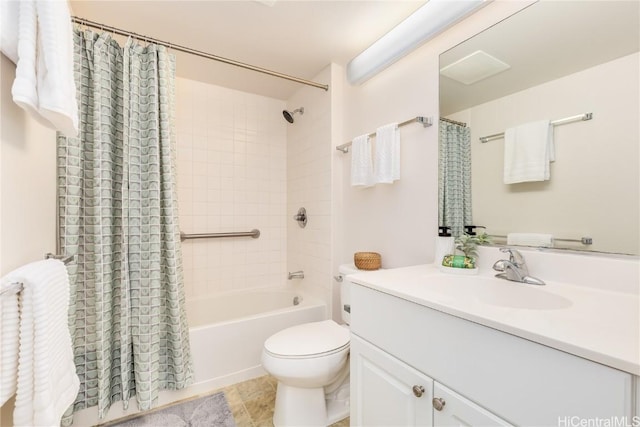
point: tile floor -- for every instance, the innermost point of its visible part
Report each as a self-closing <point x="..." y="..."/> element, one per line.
<point x="252" y="402"/>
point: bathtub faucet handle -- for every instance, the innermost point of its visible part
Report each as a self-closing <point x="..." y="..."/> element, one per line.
<point x="296" y="275"/>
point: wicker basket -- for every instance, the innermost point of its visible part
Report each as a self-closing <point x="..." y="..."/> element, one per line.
<point x="367" y="260"/>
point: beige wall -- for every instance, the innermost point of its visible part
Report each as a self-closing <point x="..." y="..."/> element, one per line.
<point x="400" y="220"/>
<point x="27" y="182"/>
<point x="595" y="183"/>
<point x="27" y="187"/>
<point x="232" y="159"/>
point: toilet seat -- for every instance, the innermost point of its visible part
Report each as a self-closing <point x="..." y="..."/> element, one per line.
<point x="309" y="340"/>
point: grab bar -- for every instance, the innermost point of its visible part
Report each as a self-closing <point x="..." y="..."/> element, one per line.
<point x="255" y="233"/>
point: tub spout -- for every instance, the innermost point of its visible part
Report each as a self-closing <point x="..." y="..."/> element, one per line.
<point x="296" y="275"/>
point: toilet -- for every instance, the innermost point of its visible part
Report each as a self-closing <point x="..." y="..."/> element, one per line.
<point x="311" y="363"/>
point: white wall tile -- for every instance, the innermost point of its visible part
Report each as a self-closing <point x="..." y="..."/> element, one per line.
<point x="231" y="177"/>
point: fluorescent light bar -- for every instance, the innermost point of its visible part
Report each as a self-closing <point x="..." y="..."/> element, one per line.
<point x="422" y="25"/>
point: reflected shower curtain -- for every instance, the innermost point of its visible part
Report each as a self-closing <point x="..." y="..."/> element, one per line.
<point x="454" y="169"/>
<point x="118" y="216"/>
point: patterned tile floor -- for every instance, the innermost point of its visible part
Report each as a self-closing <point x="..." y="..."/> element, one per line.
<point x="252" y="402"/>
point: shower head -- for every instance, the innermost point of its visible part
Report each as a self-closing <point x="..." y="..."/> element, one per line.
<point x="288" y="115"/>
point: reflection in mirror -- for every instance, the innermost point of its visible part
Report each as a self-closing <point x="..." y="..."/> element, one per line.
<point x="580" y="178"/>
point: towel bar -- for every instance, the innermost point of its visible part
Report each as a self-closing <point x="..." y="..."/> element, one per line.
<point x="12" y="288"/>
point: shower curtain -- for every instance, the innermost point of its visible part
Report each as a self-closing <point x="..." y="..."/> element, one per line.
<point x="454" y="169"/>
<point x="118" y="216"/>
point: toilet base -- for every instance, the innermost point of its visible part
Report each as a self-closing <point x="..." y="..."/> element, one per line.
<point x="309" y="406"/>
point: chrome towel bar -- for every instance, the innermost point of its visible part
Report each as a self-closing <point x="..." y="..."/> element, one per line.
<point x="572" y="119"/>
<point x="425" y="121"/>
<point x="16" y="287"/>
<point x="255" y="233"/>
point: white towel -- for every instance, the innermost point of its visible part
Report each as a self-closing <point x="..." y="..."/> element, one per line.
<point x="387" y="161"/>
<point x="9" y="12"/>
<point x="44" y="84"/>
<point x="361" y="165"/>
<point x="10" y="318"/>
<point x="47" y="380"/>
<point x="530" y="239"/>
<point x="528" y="150"/>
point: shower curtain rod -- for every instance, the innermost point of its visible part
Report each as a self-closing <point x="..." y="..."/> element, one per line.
<point x="195" y="52"/>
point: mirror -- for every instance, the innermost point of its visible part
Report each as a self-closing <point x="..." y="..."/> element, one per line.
<point x="565" y="59"/>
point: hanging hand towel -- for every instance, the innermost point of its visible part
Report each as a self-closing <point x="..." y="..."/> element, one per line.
<point x="530" y="239"/>
<point x="387" y="162"/>
<point x="47" y="380"/>
<point x="361" y="165"/>
<point x="528" y="150"/>
<point x="44" y="84"/>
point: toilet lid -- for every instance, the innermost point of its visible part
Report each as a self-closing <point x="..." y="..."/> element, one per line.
<point x="308" y="339"/>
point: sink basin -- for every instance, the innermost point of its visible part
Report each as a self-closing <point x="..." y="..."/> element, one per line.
<point x="497" y="292"/>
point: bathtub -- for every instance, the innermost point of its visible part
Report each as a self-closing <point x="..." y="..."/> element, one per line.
<point x="227" y="333"/>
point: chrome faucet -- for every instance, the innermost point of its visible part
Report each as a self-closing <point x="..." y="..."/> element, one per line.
<point x="515" y="268"/>
<point x="296" y="275"/>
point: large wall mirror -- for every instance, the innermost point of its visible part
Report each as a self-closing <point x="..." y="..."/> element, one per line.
<point x="560" y="60"/>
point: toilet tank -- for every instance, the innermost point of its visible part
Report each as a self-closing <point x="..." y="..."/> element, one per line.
<point x="345" y="290"/>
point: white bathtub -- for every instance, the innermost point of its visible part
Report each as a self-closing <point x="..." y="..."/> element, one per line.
<point x="227" y="334"/>
<point x="228" y="331"/>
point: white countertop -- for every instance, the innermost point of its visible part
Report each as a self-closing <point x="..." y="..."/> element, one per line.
<point x="599" y="325"/>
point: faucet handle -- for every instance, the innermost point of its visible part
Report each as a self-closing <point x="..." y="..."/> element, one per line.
<point x="514" y="255"/>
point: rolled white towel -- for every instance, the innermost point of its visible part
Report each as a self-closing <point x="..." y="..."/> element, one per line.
<point x="530" y="239"/>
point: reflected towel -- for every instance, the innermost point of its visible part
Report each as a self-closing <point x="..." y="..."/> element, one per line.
<point x="530" y="239"/>
<point x="387" y="161"/>
<point x="361" y="164"/>
<point x="47" y="380"/>
<point x="528" y="150"/>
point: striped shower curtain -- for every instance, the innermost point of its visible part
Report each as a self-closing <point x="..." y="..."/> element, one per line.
<point x="118" y="216"/>
<point x="454" y="181"/>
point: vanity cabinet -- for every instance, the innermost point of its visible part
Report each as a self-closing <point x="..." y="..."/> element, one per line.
<point x="388" y="392"/>
<point x="485" y="376"/>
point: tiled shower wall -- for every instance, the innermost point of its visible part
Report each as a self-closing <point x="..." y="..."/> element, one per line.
<point x="232" y="162"/>
<point x="309" y="158"/>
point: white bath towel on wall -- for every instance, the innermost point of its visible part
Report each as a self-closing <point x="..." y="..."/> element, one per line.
<point x="10" y="318"/>
<point x="39" y="38"/>
<point x="47" y="382"/>
<point x="361" y="163"/>
<point x="387" y="161"/>
<point x="528" y="150"/>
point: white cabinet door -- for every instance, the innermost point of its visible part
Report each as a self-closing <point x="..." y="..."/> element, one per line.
<point x="385" y="391"/>
<point x="451" y="409"/>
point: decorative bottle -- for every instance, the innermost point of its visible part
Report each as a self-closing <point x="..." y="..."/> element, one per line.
<point x="445" y="244"/>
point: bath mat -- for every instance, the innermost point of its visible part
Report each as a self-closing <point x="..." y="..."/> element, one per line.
<point x="208" y="411"/>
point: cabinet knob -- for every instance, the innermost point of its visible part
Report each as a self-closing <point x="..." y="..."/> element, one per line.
<point x="418" y="390"/>
<point x="438" y="403"/>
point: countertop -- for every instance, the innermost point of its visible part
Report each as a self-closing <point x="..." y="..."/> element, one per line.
<point x="596" y="324"/>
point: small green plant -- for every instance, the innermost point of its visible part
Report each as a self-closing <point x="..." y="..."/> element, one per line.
<point x="468" y="244"/>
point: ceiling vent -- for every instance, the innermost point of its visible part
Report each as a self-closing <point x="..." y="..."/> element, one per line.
<point x="474" y="67"/>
